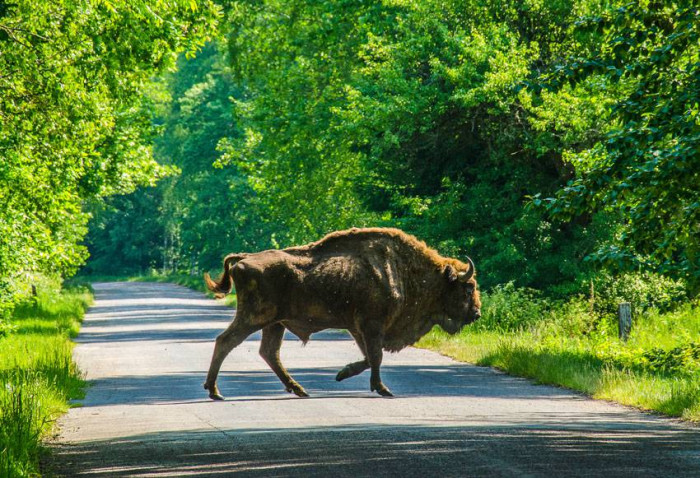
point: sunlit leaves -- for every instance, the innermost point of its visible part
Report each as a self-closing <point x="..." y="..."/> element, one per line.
<point x="648" y="168"/>
<point x="72" y="123"/>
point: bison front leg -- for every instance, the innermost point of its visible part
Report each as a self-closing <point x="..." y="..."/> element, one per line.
<point x="270" y="344"/>
<point x="373" y="339"/>
<point x="229" y="339"/>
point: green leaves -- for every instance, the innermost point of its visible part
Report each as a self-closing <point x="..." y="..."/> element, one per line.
<point x="72" y="123"/>
<point x="649" y="162"/>
<point x="443" y="118"/>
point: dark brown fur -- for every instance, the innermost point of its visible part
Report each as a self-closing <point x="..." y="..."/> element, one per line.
<point x="385" y="287"/>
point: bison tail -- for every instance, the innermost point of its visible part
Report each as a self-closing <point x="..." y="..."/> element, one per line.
<point x="224" y="284"/>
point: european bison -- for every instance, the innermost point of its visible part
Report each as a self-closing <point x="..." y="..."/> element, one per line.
<point x="385" y="287"/>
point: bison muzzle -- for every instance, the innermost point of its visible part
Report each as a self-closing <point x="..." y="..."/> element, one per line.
<point x="385" y="287"/>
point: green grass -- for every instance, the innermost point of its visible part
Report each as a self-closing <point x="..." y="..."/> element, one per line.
<point x="38" y="374"/>
<point x="657" y="369"/>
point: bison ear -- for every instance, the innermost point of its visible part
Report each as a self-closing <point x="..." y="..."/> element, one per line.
<point x="450" y="273"/>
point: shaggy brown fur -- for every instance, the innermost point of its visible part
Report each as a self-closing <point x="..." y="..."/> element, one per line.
<point x="384" y="286"/>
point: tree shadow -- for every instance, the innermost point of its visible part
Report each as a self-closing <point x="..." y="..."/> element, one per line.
<point x="406" y="381"/>
<point x="116" y="290"/>
<point x="558" y="449"/>
<point x="176" y="324"/>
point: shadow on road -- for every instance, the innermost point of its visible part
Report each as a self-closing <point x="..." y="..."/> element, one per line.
<point x="401" y="451"/>
<point x="183" y="328"/>
<point x="482" y="423"/>
<point x="247" y="385"/>
<point x="163" y="313"/>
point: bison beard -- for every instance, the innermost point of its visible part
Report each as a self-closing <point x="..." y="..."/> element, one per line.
<point x="385" y="287"/>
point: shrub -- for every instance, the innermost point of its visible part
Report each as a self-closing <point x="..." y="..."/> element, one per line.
<point x="572" y="318"/>
<point x="6" y="328"/>
<point x="509" y="308"/>
<point x="643" y="290"/>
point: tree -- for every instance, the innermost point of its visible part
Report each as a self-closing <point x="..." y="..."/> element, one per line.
<point x="72" y="126"/>
<point x="207" y="211"/>
<point x="646" y="171"/>
<point x="411" y="114"/>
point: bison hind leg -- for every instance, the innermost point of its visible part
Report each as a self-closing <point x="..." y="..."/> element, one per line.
<point x="352" y="369"/>
<point x="229" y="339"/>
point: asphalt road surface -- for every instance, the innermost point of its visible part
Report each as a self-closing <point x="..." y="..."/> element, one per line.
<point x="146" y="347"/>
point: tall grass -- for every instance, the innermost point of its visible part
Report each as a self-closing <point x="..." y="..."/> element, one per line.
<point x="37" y="373"/>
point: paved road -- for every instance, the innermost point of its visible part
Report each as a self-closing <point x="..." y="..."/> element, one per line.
<point x="146" y="348"/>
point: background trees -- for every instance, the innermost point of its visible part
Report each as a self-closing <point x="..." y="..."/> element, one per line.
<point x="388" y="113"/>
<point x="647" y="169"/>
<point x="73" y="118"/>
<point x="532" y="136"/>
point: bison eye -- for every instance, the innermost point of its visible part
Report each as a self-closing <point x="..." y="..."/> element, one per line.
<point x="470" y="288"/>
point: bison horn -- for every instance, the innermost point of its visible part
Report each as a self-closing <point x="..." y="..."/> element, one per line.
<point x="465" y="276"/>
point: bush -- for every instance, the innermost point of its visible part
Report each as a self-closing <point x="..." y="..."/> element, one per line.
<point x="6" y="328"/>
<point x="509" y="308"/>
<point x="643" y="290"/>
<point x="571" y="319"/>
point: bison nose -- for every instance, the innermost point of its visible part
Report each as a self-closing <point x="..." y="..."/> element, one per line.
<point x="477" y="314"/>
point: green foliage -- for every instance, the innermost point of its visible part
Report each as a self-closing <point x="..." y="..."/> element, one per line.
<point x="6" y="328"/>
<point x="126" y="235"/>
<point x="187" y="221"/>
<point x="506" y="308"/>
<point x="294" y="155"/>
<point x="205" y="210"/>
<point x="391" y="113"/>
<point x="642" y="289"/>
<point x="37" y="373"/>
<point x="73" y="122"/>
<point x="450" y="120"/>
<point x="646" y="168"/>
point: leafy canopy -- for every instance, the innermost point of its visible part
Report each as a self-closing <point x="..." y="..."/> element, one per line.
<point x="72" y="118"/>
<point x="647" y="168"/>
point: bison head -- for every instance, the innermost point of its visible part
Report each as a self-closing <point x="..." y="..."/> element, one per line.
<point x="461" y="301"/>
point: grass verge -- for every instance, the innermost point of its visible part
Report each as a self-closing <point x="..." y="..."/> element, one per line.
<point x="657" y="369"/>
<point x="38" y="374"/>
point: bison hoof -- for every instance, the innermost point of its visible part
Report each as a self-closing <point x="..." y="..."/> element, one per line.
<point x="382" y="390"/>
<point x="214" y="393"/>
<point x="297" y="390"/>
<point x="343" y="374"/>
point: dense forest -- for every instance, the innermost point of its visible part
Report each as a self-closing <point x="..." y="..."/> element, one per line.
<point x="75" y="124"/>
<point x="555" y="143"/>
